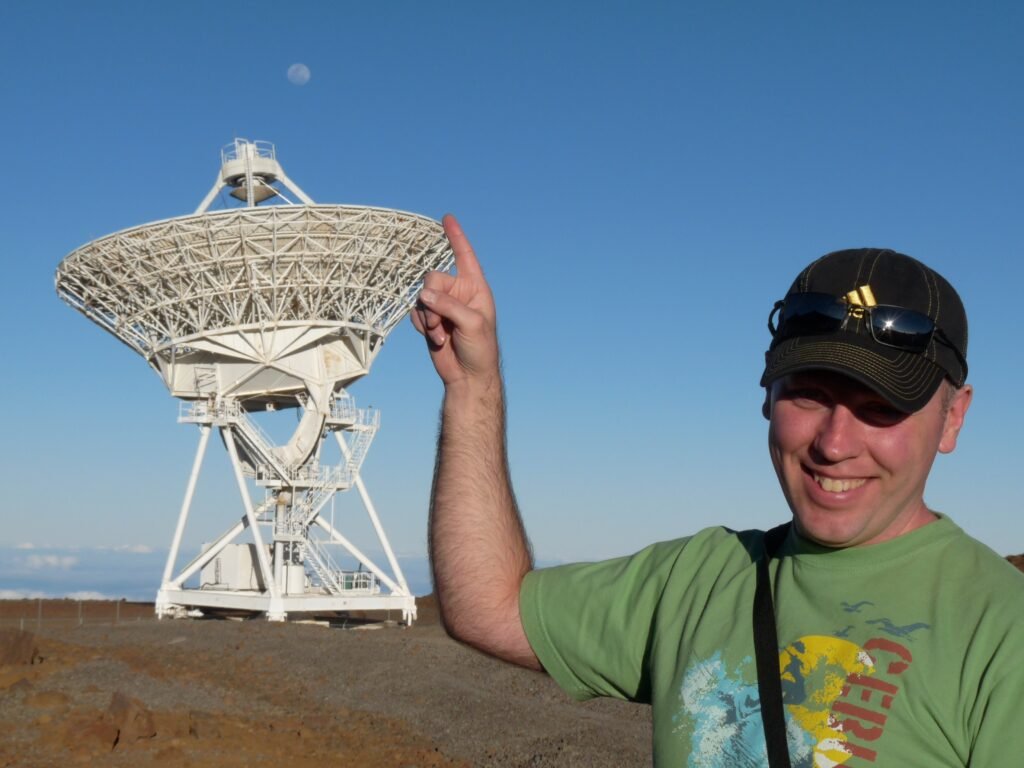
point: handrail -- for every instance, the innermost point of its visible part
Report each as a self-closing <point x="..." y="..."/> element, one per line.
<point x="205" y="410"/>
<point x="341" y="580"/>
<point x="308" y="476"/>
<point x="230" y="152"/>
<point x="364" y="425"/>
<point x="316" y="558"/>
<point x="343" y="407"/>
<point x="252" y="435"/>
<point x="257" y="430"/>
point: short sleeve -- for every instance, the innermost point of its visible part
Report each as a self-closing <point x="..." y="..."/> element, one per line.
<point x="590" y="624"/>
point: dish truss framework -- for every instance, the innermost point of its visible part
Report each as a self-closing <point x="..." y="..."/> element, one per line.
<point x="251" y="309"/>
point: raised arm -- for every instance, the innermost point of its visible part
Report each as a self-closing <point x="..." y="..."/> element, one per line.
<point x="478" y="548"/>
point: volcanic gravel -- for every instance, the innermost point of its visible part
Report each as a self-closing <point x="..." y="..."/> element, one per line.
<point x="225" y="692"/>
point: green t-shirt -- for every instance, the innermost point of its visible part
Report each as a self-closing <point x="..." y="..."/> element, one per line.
<point x="903" y="654"/>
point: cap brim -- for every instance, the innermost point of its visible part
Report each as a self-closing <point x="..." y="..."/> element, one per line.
<point x="906" y="379"/>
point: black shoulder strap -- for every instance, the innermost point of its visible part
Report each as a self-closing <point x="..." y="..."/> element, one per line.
<point x="766" y="651"/>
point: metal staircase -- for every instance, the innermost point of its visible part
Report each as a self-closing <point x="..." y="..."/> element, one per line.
<point x="256" y="444"/>
<point x="332" y="577"/>
<point x="367" y="422"/>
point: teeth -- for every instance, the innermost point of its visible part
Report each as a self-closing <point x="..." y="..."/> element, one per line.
<point x="832" y="485"/>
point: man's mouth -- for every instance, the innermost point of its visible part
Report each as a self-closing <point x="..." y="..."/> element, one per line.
<point x="838" y="485"/>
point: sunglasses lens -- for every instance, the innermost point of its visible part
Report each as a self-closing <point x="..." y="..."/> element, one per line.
<point x="901" y="328"/>
<point x="806" y="314"/>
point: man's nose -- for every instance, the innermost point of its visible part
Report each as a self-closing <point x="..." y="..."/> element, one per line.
<point x="839" y="435"/>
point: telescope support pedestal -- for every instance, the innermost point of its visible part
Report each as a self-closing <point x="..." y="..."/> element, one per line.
<point x="292" y="572"/>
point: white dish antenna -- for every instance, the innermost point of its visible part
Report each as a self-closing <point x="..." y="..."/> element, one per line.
<point x="259" y="308"/>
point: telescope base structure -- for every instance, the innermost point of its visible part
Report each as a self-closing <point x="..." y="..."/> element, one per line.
<point x="291" y="571"/>
<point x="175" y="602"/>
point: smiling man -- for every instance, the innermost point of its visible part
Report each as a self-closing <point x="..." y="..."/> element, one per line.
<point x="894" y="637"/>
<point x="865" y="385"/>
<point x="853" y="467"/>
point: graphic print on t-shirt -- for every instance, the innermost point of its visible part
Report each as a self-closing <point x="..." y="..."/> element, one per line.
<point x="837" y="695"/>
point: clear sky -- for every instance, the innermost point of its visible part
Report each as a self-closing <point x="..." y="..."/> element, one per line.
<point x="641" y="181"/>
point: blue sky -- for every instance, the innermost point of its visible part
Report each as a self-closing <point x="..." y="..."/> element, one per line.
<point x="641" y="181"/>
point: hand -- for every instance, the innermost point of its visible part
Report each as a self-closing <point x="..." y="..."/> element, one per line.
<point x="456" y="315"/>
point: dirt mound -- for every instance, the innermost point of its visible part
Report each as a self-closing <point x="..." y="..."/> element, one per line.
<point x="1017" y="560"/>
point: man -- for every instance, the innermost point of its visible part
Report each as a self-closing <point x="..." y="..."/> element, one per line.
<point x="900" y="638"/>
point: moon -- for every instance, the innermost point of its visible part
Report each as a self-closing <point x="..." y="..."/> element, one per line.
<point x="298" y="74"/>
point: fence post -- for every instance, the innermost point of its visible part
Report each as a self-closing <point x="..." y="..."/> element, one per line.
<point x="39" y="615"/>
<point x="79" y="613"/>
<point x="117" y="612"/>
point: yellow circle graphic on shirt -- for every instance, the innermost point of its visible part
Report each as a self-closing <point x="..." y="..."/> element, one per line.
<point x="814" y="670"/>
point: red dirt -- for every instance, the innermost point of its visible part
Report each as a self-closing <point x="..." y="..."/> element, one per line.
<point x="251" y="693"/>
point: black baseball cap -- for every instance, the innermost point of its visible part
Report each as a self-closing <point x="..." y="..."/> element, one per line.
<point x="907" y="375"/>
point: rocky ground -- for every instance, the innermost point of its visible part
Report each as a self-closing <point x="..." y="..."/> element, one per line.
<point x="106" y="683"/>
<point x="141" y="692"/>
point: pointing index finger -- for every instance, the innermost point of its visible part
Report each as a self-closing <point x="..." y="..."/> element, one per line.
<point x="465" y="259"/>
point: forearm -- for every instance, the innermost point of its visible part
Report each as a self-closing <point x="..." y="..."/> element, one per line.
<point x="479" y="551"/>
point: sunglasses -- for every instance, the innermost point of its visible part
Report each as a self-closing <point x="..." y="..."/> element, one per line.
<point x="808" y="314"/>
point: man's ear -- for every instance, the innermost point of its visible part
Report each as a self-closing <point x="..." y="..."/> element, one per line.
<point x="955" y="418"/>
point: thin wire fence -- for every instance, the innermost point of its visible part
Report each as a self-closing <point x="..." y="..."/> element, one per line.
<point x="39" y="614"/>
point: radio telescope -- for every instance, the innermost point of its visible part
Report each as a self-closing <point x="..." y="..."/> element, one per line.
<point x="266" y="308"/>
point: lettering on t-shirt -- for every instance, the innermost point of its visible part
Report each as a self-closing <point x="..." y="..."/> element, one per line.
<point x="860" y="711"/>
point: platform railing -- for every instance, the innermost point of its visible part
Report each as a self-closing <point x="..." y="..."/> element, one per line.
<point x="343" y="407"/>
<point x="231" y="151"/>
<point x="334" y="578"/>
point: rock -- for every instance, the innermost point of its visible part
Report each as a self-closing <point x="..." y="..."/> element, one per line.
<point x="86" y="734"/>
<point x="172" y="725"/>
<point x="202" y="725"/>
<point x="17" y="647"/>
<point x="99" y="735"/>
<point x="47" y="700"/>
<point x="131" y="718"/>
